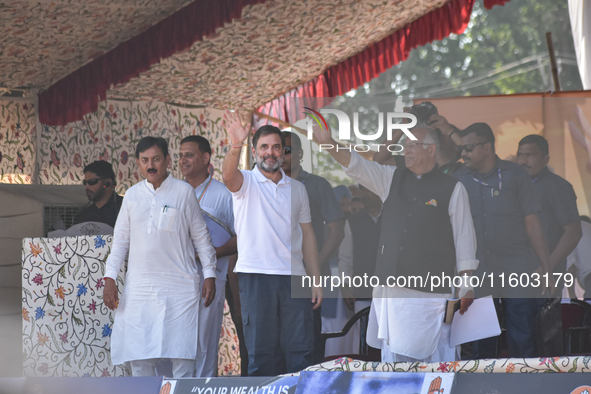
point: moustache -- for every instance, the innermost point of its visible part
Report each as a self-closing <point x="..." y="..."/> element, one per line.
<point x="152" y="170"/>
<point x="465" y="158"/>
<point x="270" y="157"/>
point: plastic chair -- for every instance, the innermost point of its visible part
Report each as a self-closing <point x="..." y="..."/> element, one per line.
<point x="365" y="352"/>
<point x="576" y="327"/>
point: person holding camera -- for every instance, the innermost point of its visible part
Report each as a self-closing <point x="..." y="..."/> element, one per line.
<point x="447" y="155"/>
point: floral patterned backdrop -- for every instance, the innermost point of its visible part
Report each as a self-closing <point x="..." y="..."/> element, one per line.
<point x="18" y="135"/>
<point x="229" y="353"/>
<point x="66" y="326"/>
<point x="112" y="133"/>
<point x="500" y="365"/>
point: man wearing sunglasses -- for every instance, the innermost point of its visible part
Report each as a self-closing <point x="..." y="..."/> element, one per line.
<point x="103" y="203"/>
<point x="426" y="228"/>
<point x="504" y="208"/>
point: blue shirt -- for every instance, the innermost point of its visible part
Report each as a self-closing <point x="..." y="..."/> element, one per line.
<point x="498" y="212"/>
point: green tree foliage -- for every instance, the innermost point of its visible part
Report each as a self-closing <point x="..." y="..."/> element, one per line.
<point x="502" y="51"/>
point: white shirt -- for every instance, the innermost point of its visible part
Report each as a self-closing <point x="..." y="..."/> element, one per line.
<point x="267" y="221"/>
<point x="409" y="321"/>
<point x="157" y="313"/>
<point x="581" y="256"/>
<point x="217" y="202"/>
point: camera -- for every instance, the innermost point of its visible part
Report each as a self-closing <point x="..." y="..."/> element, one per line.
<point x="423" y="111"/>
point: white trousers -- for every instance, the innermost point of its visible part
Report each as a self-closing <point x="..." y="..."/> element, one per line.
<point x="444" y="352"/>
<point x="210" y="329"/>
<point x="181" y="368"/>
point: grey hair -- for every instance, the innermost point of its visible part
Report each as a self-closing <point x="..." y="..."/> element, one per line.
<point x="431" y="137"/>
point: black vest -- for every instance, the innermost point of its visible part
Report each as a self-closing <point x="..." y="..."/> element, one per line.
<point x="366" y="237"/>
<point x="416" y="235"/>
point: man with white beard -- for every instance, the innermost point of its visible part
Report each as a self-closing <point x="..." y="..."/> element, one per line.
<point x="276" y="244"/>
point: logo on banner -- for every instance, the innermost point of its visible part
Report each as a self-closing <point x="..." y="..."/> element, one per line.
<point x="344" y="128"/>
<point x="582" y="390"/>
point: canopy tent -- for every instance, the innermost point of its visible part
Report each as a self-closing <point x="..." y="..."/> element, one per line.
<point x="84" y="57"/>
<point x="224" y="54"/>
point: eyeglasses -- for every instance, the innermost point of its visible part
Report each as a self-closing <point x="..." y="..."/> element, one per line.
<point x="91" y="182"/>
<point x="287" y="150"/>
<point x="470" y="147"/>
<point x="414" y="145"/>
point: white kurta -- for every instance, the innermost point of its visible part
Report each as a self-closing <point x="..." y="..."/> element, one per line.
<point x="405" y="321"/>
<point x="216" y="201"/>
<point x="157" y="316"/>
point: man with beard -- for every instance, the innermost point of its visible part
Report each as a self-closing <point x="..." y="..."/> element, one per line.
<point x="559" y="216"/>
<point x="161" y="226"/>
<point x="325" y="213"/>
<point x="275" y="244"/>
<point x="103" y="203"/>
<point x="216" y="204"/>
<point x="426" y="227"/>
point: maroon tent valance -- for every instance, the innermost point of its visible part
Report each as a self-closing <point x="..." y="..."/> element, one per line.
<point x="453" y="17"/>
<point x="79" y="93"/>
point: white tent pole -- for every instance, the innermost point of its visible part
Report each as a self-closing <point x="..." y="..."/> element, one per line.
<point x="580" y="22"/>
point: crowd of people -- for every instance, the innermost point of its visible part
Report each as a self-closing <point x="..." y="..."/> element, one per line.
<point x="450" y="205"/>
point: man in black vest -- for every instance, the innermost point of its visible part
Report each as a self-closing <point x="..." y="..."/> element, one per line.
<point x="426" y="230"/>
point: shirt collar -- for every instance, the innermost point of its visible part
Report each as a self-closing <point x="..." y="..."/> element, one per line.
<point x="303" y="175"/>
<point x="202" y="185"/>
<point x="426" y="175"/>
<point x="260" y="177"/>
<point x="500" y="164"/>
<point x="165" y="182"/>
<point x="543" y="172"/>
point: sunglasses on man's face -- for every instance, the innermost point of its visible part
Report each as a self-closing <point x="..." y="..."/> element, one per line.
<point x="91" y="182"/>
<point x="470" y="147"/>
<point x="287" y="150"/>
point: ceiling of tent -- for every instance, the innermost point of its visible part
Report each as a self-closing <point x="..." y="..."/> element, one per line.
<point x="273" y="47"/>
<point x="42" y="41"/>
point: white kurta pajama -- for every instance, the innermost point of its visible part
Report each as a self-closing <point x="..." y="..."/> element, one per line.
<point x="157" y="316"/>
<point x="216" y="202"/>
<point x="408" y="324"/>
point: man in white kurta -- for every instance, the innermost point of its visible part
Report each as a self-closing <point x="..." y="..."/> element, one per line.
<point x="405" y="323"/>
<point x="161" y="226"/>
<point x="216" y="204"/>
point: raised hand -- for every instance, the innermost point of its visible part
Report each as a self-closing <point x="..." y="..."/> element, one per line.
<point x="233" y="125"/>
<point x="322" y="135"/>
<point x="439" y="122"/>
